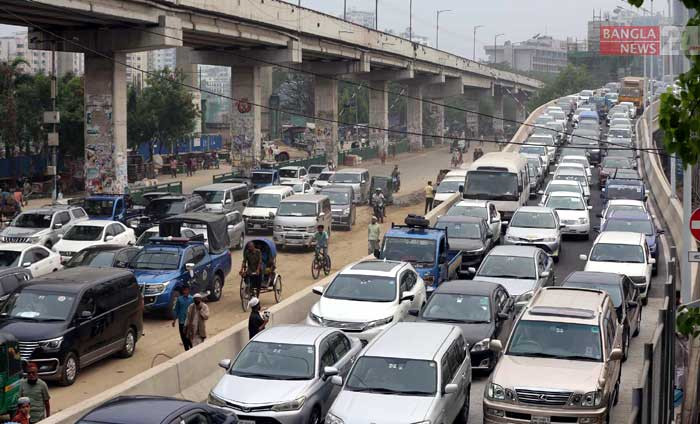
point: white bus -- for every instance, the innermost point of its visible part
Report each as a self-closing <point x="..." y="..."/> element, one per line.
<point x="501" y="177"/>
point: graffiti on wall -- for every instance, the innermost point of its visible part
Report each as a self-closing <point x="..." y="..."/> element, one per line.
<point x="105" y="167"/>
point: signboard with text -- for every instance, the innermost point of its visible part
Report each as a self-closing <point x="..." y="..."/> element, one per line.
<point x="616" y="40"/>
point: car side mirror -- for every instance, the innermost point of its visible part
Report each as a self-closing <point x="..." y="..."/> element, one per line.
<point x="450" y="388"/>
<point x="652" y="261"/>
<point x="632" y="304"/>
<point x="495" y="345"/>
<point x="616" y="354"/>
<point x="544" y="274"/>
<point x="461" y="189"/>
<point x="322" y="214"/>
<point x="189" y="266"/>
<point x="583" y="257"/>
<point x="225" y="363"/>
<point x="489" y="235"/>
<point x="57" y="226"/>
<point x="26" y="264"/>
<point x="330" y="372"/>
<point x="317" y="290"/>
<point x="407" y="296"/>
<point x="227" y="202"/>
<point x="503" y="316"/>
<point x="109" y="238"/>
<point x="471" y="270"/>
<point x="60" y="236"/>
<point x="660" y="232"/>
<point x="504" y="222"/>
<point x="85" y="315"/>
<point x="599" y="215"/>
<point x="441" y="260"/>
<point x="589" y="207"/>
<point x="540" y="192"/>
<point x="414" y="312"/>
<point x="596" y="228"/>
<point x="337" y="380"/>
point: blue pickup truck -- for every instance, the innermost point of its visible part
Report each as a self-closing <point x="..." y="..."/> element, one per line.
<point x="112" y="207"/>
<point x="425" y="247"/>
<point x="171" y="260"/>
<point x="264" y="178"/>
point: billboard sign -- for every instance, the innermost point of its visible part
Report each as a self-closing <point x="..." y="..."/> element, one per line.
<point x="618" y="40"/>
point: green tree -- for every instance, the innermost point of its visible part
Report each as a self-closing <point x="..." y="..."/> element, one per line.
<point x="571" y="79"/>
<point x="71" y="103"/>
<point x="10" y="77"/>
<point x="162" y="112"/>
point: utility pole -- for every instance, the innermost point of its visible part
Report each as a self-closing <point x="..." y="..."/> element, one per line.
<point x="495" y="37"/>
<point x="437" y="26"/>
<point x="345" y="10"/>
<point x="474" y="42"/>
<point x="376" y="15"/>
<point x="53" y="118"/>
<point x="410" y="21"/>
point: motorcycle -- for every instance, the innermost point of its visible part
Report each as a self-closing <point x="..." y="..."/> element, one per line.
<point x="379" y="211"/>
<point x="396" y="183"/>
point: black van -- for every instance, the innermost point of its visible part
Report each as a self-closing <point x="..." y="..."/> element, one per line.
<point x="10" y="279"/>
<point x="69" y="319"/>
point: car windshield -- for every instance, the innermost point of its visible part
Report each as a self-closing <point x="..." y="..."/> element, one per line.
<point x="501" y="266"/>
<point x="263" y="200"/>
<point x="36" y="305"/>
<point x="32" y="220"/>
<point x="571" y="159"/>
<point x="95" y="207"/>
<point x="103" y="258"/>
<point x="476" y="211"/>
<point x="533" y="220"/>
<point x="630" y="225"/>
<point x="165" y="207"/>
<point x="289" y="173"/>
<point x="552" y="187"/>
<point x="457" y="308"/>
<point x="468" y="230"/>
<point x="620" y="132"/>
<point x="533" y="148"/>
<point x="492" y="185"/>
<point x="588" y="125"/>
<point x="297" y="209"/>
<point x="9" y="258"/>
<point x="613" y="208"/>
<point x="325" y="176"/>
<point x="146" y="237"/>
<point x="610" y="162"/>
<point x="559" y="340"/>
<point x="364" y="288"/>
<point x="156" y="259"/>
<point x="261" y="177"/>
<point x="572" y="177"/>
<point x="567" y="203"/>
<point x="534" y="161"/>
<point x="316" y="169"/>
<point x="275" y="361"/>
<point x="613" y="290"/>
<point x="393" y="376"/>
<point x="418" y="251"/>
<point x="337" y="197"/>
<point x="624" y="192"/>
<point x="340" y="177"/>
<point x="547" y="141"/>
<point x="450" y="186"/>
<point x="608" y="252"/>
<point x="84" y="233"/>
<point x="211" y="196"/>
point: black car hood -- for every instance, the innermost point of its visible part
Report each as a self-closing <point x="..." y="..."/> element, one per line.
<point x="30" y="331"/>
<point x="474" y="333"/>
<point x="465" y="244"/>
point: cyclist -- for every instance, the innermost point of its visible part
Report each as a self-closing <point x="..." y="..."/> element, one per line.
<point x="321" y="239"/>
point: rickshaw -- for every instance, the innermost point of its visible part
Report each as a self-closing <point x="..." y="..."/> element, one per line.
<point x="271" y="280"/>
<point x="386" y="185"/>
<point x="10" y="374"/>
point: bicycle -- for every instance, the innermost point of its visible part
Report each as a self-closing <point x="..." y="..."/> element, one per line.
<point x="320" y="262"/>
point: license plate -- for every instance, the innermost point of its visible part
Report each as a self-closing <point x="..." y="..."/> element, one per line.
<point x="533" y="420"/>
<point x="246" y="422"/>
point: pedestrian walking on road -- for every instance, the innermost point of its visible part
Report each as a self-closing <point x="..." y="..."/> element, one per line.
<point x="256" y="321"/>
<point x="251" y="268"/>
<point x="196" y="322"/>
<point x="373" y="236"/>
<point x="173" y="167"/>
<point x="188" y="166"/>
<point x="23" y="407"/>
<point x="429" y="196"/>
<point x="37" y="391"/>
<point x="180" y="314"/>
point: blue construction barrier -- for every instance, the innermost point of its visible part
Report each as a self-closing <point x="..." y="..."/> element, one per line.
<point x="207" y="143"/>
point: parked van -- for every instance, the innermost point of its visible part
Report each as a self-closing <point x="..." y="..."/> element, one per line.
<point x="424" y="382"/>
<point x="224" y="196"/>
<point x="344" y="211"/>
<point x="260" y="212"/>
<point x="72" y="318"/>
<point x="501" y="177"/>
<point x="297" y="218"/>
<point x="357" y="178"/>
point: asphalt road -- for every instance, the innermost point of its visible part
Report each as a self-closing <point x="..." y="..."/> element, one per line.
<point x="569" y="262"/>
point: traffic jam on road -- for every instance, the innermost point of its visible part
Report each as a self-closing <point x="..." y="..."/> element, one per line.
<point x="485" y="299"/>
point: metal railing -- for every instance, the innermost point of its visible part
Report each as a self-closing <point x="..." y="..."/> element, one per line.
<point x="652" y="400"/>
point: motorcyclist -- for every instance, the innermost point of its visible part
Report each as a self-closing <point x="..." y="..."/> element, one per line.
<point x="395" y="177"/>
<point x="378" y="202"/>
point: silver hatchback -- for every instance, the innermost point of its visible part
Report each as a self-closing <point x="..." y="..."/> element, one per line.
<point x="283" y="375"/>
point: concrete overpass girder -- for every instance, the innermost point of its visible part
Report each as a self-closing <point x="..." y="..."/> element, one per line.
<point x="253" y="57"/>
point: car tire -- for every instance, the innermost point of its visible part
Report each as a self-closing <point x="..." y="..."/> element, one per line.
<point x="129" y="344"/>
<point x="645" y="300"/>
<point x="625" y="344"/>
<point x="217" y="289"/>
<point x="463" y="416"/>
<point x="69" y="371"/>
<point x="556" y="258"/>
<point x="654" y="271"/>
<point x="240" y="242"/>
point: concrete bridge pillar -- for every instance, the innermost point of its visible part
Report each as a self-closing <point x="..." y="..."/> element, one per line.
<point x="414" y="116"/>
<point x="245" y="115"/>
<point x="437" y="114"/>
<point x="498" y="110"/>
<point x="379" y="114"/>
<point x="471" y="118"/>
<point x="326" y="102"/>
<point x="190" y="73"/>
<point x="105" y="124"/>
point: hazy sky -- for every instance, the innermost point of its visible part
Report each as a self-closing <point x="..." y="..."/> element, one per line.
<point x="517" y="19"/>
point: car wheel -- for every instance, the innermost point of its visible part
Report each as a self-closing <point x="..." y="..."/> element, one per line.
<point x="217" y="288"/>
<point x="129" y="344"/>
<point x="315" y="417"/>
<point x="655" y="271"/>
<point x="69" y="371"/>
<point x="645" y="300"/>
<point x="625" y="344"/>
<point x="240" y="242"/>
<point x="463" y="416"/>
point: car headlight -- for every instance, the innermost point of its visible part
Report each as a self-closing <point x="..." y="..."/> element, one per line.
<point x="346" y="211"/>
<point x="51" y="344"/>
<point x="278" y="228"/>
<point x="155" y="289"/>
<point x="496" y="392"/>
<point x="482" y="345"/>
<point x="311" y="229"/>
<point x="332" y="419"/>
<point x="591" y="399"/>
<point x="379" y="322"/>
<point x="293" y="405"/>
<point x="583" y="220"/>
<point x="549" y="239"/>
<point x="215" y="400"/>
<point x="315" y="318"/>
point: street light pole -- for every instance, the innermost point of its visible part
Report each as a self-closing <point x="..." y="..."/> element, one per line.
<point x="345" y="10"/>
<point x="376" y="15"/>
<point x="474" y="44"/>
<point x="410" y="20"/>
<point x="437" y="26"/>
<point x="495" y="37"/>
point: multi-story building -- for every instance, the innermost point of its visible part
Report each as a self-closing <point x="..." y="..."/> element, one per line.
<point x="160" y="59"/>
<point x="361" y="17"/>
<point x="38" y="61"/>
<point x="539" y="54"/>
<point x="136" y="61"/>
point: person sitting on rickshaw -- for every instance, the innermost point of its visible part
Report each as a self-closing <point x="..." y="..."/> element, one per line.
<point x="252" y="267"/>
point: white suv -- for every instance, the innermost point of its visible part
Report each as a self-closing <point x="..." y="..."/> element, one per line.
<point x="366" y="297"/>
<point x="625" y="253"/>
